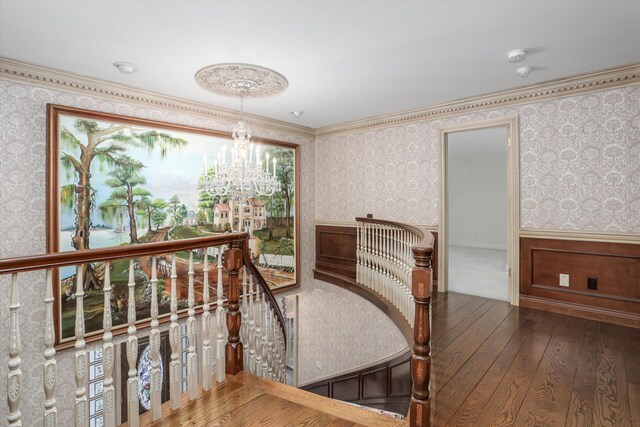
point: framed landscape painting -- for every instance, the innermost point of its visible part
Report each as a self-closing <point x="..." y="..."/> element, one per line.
<point x="115" y="180"/>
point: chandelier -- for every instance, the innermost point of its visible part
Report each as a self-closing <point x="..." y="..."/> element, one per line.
<point x="242" y="173"/>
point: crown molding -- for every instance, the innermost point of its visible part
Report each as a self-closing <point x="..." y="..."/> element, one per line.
<point x="568" y="86"/>
<point x="12" y="69"/>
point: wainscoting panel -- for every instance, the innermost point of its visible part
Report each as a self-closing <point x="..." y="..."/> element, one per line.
<point x="604" y="278"/>
<point x="336" y="250"/>
<point x="386" y="385"/>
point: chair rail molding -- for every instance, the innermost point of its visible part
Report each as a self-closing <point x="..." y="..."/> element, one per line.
<point x="331" y="223"/>
<point x="12" y="69"/>
<point x="579" y="235"/>
<point x="625" y="75"/>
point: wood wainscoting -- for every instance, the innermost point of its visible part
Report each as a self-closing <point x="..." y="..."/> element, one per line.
<point x="336" y="250"/>
<point x="615" y="267"/>
<point x="336" y="253"/>
<point x="386" y="385"/>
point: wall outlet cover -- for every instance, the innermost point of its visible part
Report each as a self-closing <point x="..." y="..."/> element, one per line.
<point x="564" y="280"/>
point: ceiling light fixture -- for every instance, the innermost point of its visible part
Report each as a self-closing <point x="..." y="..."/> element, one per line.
<point x="517" y="55"/>
<point x="242" y="175"/>
<point x="125" y="67"/>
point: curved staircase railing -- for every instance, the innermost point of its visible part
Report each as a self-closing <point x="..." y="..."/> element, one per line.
<point x="392" y="271"/>
<point x="394" y="261"/>
<point x="218" y="342"/>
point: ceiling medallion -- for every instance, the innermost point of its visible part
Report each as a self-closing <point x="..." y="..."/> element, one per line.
<point x="241" y="80"/>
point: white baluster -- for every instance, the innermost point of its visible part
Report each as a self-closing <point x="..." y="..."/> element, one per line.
<point x="175" y="369"/>
<point x="243" y="316"/>
<point x="369" y="256"/>
<point x="374" y="236"/>
<point x="257" y="332"/>
<point x="220" y="323"/>
<point x="207" y="353"/>
<point x="251" y="330"/>
<point x="265" y="330"/>
<point x="49" y="367"/>
<point x="132" y="352"/>
<point x="14" y="377"/>
<point x="192" y="357"/>
<point x="80" y="356"/>
<point x="108" y="356"/>
<point x="154" y="344"/>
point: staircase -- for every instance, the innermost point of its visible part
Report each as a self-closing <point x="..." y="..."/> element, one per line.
<point x="227" y="365"/>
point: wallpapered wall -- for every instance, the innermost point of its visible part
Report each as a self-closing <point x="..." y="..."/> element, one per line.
<point x="579" y="166"/>
<point x="22" y="227"/>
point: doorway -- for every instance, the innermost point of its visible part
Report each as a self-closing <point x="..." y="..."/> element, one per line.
<point x="479" y="210"/>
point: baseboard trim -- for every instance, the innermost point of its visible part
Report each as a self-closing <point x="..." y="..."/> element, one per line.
<point x="578" y="310"/>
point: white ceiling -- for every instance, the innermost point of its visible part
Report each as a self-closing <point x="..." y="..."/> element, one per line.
<point x="345" y="60"/>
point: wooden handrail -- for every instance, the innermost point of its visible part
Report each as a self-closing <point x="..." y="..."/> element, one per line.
<point x="415" y="230"/>
<point x="63" y="259"/>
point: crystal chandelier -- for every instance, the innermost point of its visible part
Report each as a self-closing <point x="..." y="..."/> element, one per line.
<point x="242" y="174"/>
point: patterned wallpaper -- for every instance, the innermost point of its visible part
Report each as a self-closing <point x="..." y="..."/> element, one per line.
<point x="579" y="166"/>
<point x="22" y="226"/>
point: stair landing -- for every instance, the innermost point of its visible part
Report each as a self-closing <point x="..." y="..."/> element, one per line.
<point x="248" y="400"/>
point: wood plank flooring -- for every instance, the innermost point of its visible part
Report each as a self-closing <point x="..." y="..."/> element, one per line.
<point x="247" y="400"/>
<point x="497" y="365"/>
<point x="493" y="365"/>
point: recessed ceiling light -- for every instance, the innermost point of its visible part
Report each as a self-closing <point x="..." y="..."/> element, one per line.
<point x="523" y="71"/>
<point x="297" y="114"/>
<point x="517" y="55"/>
<point x="125" y="67"/>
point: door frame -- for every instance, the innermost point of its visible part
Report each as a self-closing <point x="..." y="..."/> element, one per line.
<point x="513" y="197"/>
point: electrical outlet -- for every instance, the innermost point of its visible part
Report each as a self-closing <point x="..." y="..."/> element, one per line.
<point x="592" y="283"/>
<point x="564" y="280"/>
<point x="318" y="365"/>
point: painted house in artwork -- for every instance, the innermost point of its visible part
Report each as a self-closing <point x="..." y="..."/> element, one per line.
<point x="251" y="215"/>
<point x="221" y="214"/>
<point x="191" y="219"/>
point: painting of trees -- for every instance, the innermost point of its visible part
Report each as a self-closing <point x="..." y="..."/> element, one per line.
<point x="119" y="180"/>
<point x="151" y="209"/>
<point x="158" y="218"/>
<point x="174" y="209"/>
<point x="285" y="172"/>
<point x="125" y="179"/>
<point x="92" y="143"/>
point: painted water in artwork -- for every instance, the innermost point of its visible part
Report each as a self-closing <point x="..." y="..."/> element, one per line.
<point x="123" y="184"/>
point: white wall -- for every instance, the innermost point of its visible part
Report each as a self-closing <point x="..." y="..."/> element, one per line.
<point x="477" y="188"/>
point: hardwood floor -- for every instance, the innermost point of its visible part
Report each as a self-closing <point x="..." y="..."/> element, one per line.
<point x="493" y="365"/>
<point x="247" y="400"/>
<point x="498" y="365"/>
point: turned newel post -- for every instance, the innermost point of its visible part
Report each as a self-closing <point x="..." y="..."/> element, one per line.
<point x="420" y="405"/>
<point x="233" y="349"/>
